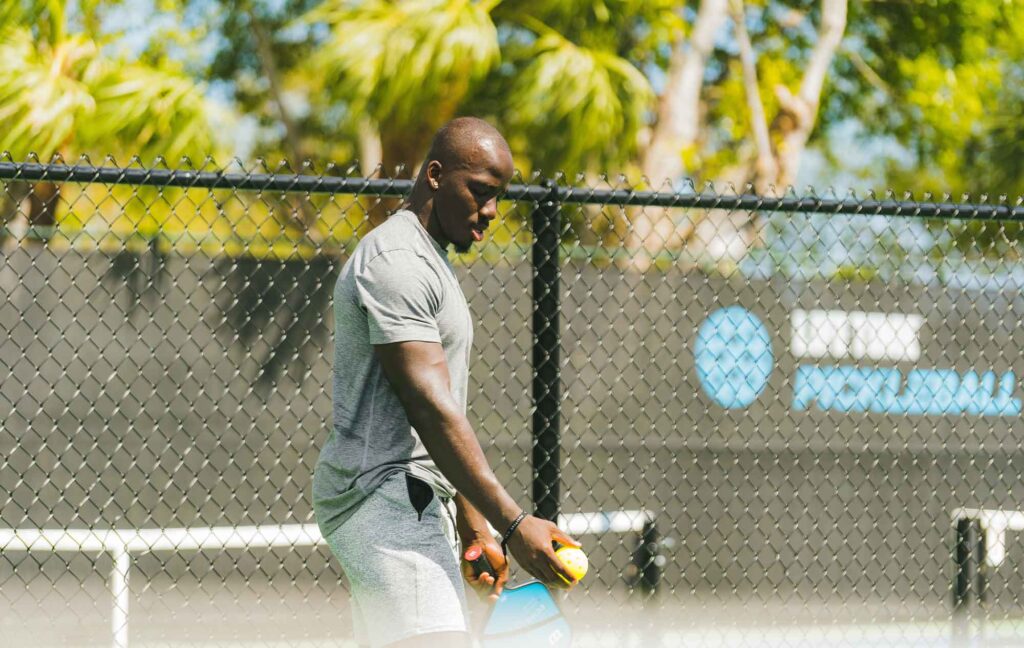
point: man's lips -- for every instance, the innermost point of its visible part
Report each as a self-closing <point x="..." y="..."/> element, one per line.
<point x="478" y="233"/>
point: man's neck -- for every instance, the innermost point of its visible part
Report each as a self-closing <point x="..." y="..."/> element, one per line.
<point x="423" y="209"/>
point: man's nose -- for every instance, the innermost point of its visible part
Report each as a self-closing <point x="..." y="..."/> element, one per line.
<point x="490" y="209"/>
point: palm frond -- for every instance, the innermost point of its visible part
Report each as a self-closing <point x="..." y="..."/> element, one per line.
<point x="154" y="110"/>
<point x="68" y="97"/>
<point x="398" y="59"/>
<point x="594" y="100"/>
<point x="42" y="93"/>
<point x="45" y="14"/>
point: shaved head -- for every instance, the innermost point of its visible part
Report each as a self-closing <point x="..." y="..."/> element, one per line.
<point x="456" y="142"/>
<point x="456" y="192"/>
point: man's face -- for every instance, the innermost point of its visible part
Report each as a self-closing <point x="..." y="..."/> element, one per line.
<point x="466" y="199"/>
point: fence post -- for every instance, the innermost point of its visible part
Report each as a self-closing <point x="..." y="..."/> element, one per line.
<point x="962" y="560"/>
<point x="970" y="577"/>
<point x="970" y="565"/>
<point x="547" y="229"/>
<point x="648" y="559"/>
<point x="981" y="580"/>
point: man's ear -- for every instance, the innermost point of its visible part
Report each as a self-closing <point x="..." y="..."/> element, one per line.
<point x="434" y="174"/>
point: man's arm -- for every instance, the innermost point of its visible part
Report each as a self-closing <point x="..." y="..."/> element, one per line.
<point x="418" y="373"/>
<point x="470" y="522"/>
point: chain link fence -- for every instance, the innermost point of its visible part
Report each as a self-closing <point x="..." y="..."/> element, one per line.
<point x="771" y="421"/>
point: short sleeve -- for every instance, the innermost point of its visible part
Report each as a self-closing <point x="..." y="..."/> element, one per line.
<point x="399" y="292"/>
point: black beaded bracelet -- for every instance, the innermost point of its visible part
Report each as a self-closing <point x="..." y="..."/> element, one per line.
<point x="512" y="529"/>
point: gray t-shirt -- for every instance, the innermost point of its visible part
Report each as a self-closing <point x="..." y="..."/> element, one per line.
<point x="398" y="286"/>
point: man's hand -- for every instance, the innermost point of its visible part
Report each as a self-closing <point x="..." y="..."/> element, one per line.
<point x="473" y="530"/>
<point x="485" y="584"/>
<point x="532" y="546"/>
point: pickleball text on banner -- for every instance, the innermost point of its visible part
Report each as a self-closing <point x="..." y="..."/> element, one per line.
<point x="734" y="361"/>
<point x="921" y="391"/>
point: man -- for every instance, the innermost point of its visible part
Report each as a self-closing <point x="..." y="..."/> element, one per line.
<point x="402" y="450"/>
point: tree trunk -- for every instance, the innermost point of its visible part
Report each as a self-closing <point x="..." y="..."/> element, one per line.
<point x="734" y="234"/>
<point x="264" y="49"/>
<point x="725" y="237"/>
<point x="11" y="207"/>
<point x="799" y="113"/>
<point x="371" y="154"/>
<point x="371" y="164"/>
<point x="678" y="122"/>
<point x="403" y="150"/>
<point x="298" y="209"/>
<point x="401" y="153"/>
<point x="42" y="215"/>
<point x="766" y="169"/>
<point x="675" y="133"/>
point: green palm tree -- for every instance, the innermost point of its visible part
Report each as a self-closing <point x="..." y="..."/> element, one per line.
<point x="61" y="95"/>
<point x="408" y="65"/>
<point x="411" y="65"/>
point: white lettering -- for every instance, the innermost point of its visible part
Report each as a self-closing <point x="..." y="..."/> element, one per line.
<point x="856" y="334"/>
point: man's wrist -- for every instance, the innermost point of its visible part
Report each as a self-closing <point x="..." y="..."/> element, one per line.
<point x="497" y="510"/>
<point x="510" y="510"/>
<point x="507" y="535"/>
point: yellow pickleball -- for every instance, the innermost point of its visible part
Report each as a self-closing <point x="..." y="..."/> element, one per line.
<point x="574" y="560"/>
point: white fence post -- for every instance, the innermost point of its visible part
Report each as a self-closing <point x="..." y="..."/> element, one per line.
<point x="119" y="589"/>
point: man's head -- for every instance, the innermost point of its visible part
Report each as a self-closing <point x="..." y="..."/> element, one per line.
<point x="468" y="165"/>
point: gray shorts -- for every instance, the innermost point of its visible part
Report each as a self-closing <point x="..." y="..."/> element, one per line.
<point x="402" y="564"/>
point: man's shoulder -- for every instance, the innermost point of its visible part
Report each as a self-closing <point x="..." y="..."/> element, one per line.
<point x="395" y="236"/>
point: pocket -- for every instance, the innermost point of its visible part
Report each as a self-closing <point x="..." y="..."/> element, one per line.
<point x="420" y="494"/>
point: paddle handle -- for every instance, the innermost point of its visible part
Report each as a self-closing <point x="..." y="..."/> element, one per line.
<point x="477" y="559"/>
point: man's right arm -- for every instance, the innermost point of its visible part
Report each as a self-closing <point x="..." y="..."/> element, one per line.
<point x="418" y="373"/>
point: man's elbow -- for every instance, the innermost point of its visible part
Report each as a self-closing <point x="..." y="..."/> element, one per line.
<point x="429" y="417"/>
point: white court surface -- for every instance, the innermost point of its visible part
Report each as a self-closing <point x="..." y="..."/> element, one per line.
<point x="259" y="612"/>
<point x="69" y="604"/>
<point x="123" y="545"/>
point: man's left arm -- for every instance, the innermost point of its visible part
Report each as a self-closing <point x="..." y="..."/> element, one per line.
<point x="474" y="530"/>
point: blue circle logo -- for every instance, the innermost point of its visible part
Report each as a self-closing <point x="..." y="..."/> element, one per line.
<point x="734" y="357"/>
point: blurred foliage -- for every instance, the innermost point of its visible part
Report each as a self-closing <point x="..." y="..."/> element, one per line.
<point x="573" y="84"/>
<point x="545" y="96"/>
<point x="562" y="82"/>
<point x="401" y="62"/>
<point x="783" y="35"/>
<point x="948" y="88"/>
<point x="573" y="92"/>
<point x="61" y="93"/>
<point x="64" y="94"/>
<point x="326" y="130"/>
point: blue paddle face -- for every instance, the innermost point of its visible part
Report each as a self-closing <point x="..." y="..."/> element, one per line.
<point x="526" y="615"/>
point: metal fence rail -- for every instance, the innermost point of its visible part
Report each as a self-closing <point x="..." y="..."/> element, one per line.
<point x="775" y="419"/>
<point x="691" y="198"/>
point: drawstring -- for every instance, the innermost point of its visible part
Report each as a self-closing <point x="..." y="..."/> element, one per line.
<point x="445" y="501"/>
